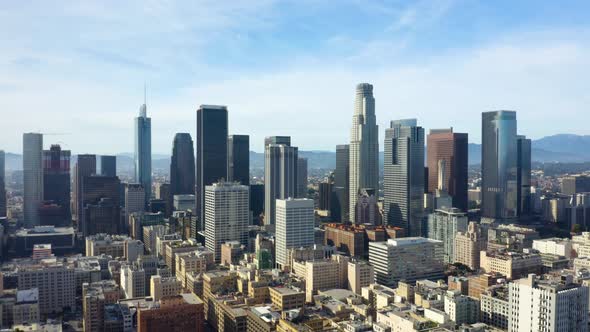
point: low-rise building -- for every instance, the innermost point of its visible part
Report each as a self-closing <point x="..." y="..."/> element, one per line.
<point x="513" y="265"/>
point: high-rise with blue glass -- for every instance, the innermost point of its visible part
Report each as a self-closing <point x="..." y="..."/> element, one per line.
<point x="499" y="165"/>
<point x="143" y="151"/>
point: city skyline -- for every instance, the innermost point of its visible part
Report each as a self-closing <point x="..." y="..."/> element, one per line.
<point x="407" y="51"/>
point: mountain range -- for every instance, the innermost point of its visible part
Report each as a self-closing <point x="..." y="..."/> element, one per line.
<point x="567" y="148"/>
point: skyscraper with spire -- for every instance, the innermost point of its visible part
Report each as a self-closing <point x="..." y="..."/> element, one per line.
<point x="364" y="145"/>
<point x="143" y="150"/>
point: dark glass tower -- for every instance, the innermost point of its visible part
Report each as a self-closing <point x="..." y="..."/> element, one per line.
<point x="56" y="184"/>
<point x="444" y="144"/>
<point x="100" y="204"/>
<point x="499" y="188"/>
<point x="238" y="159"/>
<point x="339" y="204"/>
<point x="182" y="165"/>
<point x="85" y="166"/>
<point x="108" y="165"/>
<point x="211" y="150"/>
<point x="524" y="176"/>
<point x="403" y="176"/>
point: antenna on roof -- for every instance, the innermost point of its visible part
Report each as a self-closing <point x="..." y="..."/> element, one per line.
<point x="144" y="93"/>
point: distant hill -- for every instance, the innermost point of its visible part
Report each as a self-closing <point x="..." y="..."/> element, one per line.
<point x="556" y="148"/>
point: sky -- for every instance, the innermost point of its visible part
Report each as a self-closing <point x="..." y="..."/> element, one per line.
<point x="76" y="69"/>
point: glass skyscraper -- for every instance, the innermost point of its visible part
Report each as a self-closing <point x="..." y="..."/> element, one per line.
<point x="403" y="173"/>
<point x="211" y="152"/>
<point x="499" y="165"/>
<point x="143" y="151"/>
<point x="238" y="159"/>
<point x="182" y="165"/>
<point x="32" y="177"/>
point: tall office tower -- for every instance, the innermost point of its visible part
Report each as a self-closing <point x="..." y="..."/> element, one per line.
<point x="340" y="210"/>
<point x="227" y="214"/>
<point x="2" y="184"/>
<point x="280" y="173"/>
<point x="364" y="145"/>
<point x="143" y="152"/>
<point x="444" y="144"/>
<point x="499" y="165"/>
<point x="56" y="182"/>
<point x="238" y="159"/>
<point x="108" y="165"/>
<point x="571" y="185"/>
<point x="211" y="149"/>
<point x="325" y="189"/>
<point x="85" y="166"/>
<point x="182" y="165"/>
<point x="301" y="177"/>
<point x="547" y="305"/>
<point x="294" y="227"/>
<point x="256" y="201"/>
<point x="404" y="176"/>
<point x="100" y="209"/>
<point x="523" y="176"/>
<point x="32" y="177"/>
<point x="134" y="199"/>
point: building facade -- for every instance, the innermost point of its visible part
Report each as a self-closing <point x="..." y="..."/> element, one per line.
<point x="364" y="145"/>
<point x="143" y="151"/>
<point x="238" y="159"/>
<point x="32" y="177"/>
<point x="280" y="173"/>
<point x="182" y="165"/>
<point x="294" y="227"/>
<point x="403" y="184"/>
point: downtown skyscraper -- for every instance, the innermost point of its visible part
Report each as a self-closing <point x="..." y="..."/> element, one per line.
<point x="143" y="151"/>
<point x="280" y="173"/>
<point x="499" y="188"/>
<point x="523" y="177"/>
<point x="2" y="184"/>
<point x="32" y="177"/>
<point x="364" y="146"/>
<point x="339" y="204"/>
<point x="443" y="145"/>
<point x="238" y="159"/>
<point x="211" y="151"/>
<point x="182" y="165"/>
<point x="56" y="184"/>
<point x="403" y="177"/>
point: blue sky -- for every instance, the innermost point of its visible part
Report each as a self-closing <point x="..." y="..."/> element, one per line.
<point x="287" y="67"/>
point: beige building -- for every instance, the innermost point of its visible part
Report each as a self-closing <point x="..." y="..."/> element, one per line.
<point x="163" y="287"/>
<point x="360" y="274"/>
<point x="286" y="298"/>
<point x="111" y="245"/>
<point x="322" y="275"/>
<point x="56" y="283"/>
<point x="231" y="253"/>
<point x="174" y="247"/>
<point x="513" y="265"/>
<point x="192" y="261"/>
<point x="468" y="245"/>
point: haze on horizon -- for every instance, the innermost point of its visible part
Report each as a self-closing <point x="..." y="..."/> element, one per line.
<point x="287" y="67"/>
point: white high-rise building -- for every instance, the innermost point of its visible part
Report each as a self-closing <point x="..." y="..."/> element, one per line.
<point x="227" y="212"/>
<point x="408" y="258"/>
<point x="547" y="305"/>
<point x="32" y="177"/>
<point x="133" y="281"/>
<point x="294" y="227"/>
<point x="364" y="145"/>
